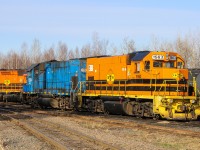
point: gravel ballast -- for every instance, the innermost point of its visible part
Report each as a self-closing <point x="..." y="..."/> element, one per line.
<point x="13" y="137"/>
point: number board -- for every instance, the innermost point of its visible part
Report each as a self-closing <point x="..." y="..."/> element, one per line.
<point x="158" y="57"/>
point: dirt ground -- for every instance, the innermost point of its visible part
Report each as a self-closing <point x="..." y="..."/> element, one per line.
<point x="13" y="137"/>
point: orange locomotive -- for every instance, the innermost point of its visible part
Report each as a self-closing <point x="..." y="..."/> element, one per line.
<point x="143" y="83"/>
<point x="144" y="73"/>
<point x="11" y="84"/>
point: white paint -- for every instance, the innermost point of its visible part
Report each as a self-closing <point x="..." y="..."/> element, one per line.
<point x="158" y="57"/>
<point x="90" y="67"/>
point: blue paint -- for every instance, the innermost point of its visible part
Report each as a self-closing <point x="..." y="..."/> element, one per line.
<point x="55" y="77"/>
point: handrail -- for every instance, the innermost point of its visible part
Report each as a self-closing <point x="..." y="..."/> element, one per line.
<point x="196" y="90"/>
<point x="107" y="91"/>
<point x="119" y="87"/>
<point x="116" y="88"/>
<point x="165" y="83"/>
<point x="14" y="87"/>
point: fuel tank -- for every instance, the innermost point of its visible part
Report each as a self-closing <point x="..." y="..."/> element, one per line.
<point x="48" y="102"/>
<point x="114" y="107"/>
<point x="9" y="98"/>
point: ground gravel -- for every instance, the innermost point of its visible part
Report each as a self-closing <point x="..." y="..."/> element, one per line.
<point x="13" y="137"/>
<point x="129" y="139"/>
<point x="137" y="138"/>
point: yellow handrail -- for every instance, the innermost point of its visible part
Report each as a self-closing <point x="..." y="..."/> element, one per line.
<point x="165" y="83"/>
<point x="82" y="83"/>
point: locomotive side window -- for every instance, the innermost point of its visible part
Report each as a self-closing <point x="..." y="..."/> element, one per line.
<point x="36" y="71"/>
<point x="157" y="64"/>
<point x="180" y="65"/>
<point x="137" y="67"/>
<point x="169" y="64"/>
<point x="147" y="65"/>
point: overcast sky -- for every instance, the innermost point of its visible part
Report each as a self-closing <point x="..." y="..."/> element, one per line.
<point x="75" y="21"/>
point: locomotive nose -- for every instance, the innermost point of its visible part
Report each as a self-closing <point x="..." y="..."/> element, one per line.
<point x="180" y="74"/>
<point x="177" y="75"/>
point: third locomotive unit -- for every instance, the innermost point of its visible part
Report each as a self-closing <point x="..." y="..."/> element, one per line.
<point x="11" y="84"/>
<point x="142" y="83"/>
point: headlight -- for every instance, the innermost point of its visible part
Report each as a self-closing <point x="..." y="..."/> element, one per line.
<point x="170" y="100"/>
<point x="192" y="101"/>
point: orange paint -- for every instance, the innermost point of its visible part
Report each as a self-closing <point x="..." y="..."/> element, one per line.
<point x="155" y="71"/>
<point x="12" y="80"/>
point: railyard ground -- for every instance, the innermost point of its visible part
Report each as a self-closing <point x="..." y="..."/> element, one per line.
<point x="13" y="137"/>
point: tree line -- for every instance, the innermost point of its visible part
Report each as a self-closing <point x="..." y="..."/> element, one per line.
<point x="187" y="46"/>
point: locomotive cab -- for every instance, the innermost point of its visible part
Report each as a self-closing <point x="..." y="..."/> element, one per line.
<point x="160" y="73"/>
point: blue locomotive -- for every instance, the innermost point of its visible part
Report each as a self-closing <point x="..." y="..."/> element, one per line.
<point x="54" y="83"/>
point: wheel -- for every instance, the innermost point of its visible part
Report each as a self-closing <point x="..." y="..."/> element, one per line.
<point x="106" y="112"/>
<point x="156" y="117"/>
<point x="198" y="118"/>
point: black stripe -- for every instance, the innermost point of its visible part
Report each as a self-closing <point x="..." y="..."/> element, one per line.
<point x="136" y="88"/>
<point x="141" y="81"/>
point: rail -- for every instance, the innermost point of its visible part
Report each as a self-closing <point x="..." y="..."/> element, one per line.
<point x="30" y="126"/>
<point x="34" y="132"/>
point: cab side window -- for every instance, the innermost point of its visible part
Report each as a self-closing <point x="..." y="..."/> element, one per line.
<point x="169" y="64"/>
<point x="147" y="65"/>
<point x="180" y="65"/>
<point x="157" y="64"/>
<point x="137" y="67"/>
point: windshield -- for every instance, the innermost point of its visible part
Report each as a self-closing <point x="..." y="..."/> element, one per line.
<point x="159" y="64"/>
<point x="169" y="64"/>
<point x="180" y="65"/>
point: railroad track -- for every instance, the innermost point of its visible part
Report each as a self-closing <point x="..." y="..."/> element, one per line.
<point x="144" y="126"/>
<point x="119" y="122"/>
<point x="33" y="131"/>
<point x="55" y="134"/>
<point x="116" y="122"/>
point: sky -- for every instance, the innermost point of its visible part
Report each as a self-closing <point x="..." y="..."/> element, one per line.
<point x="75" y="21"/>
